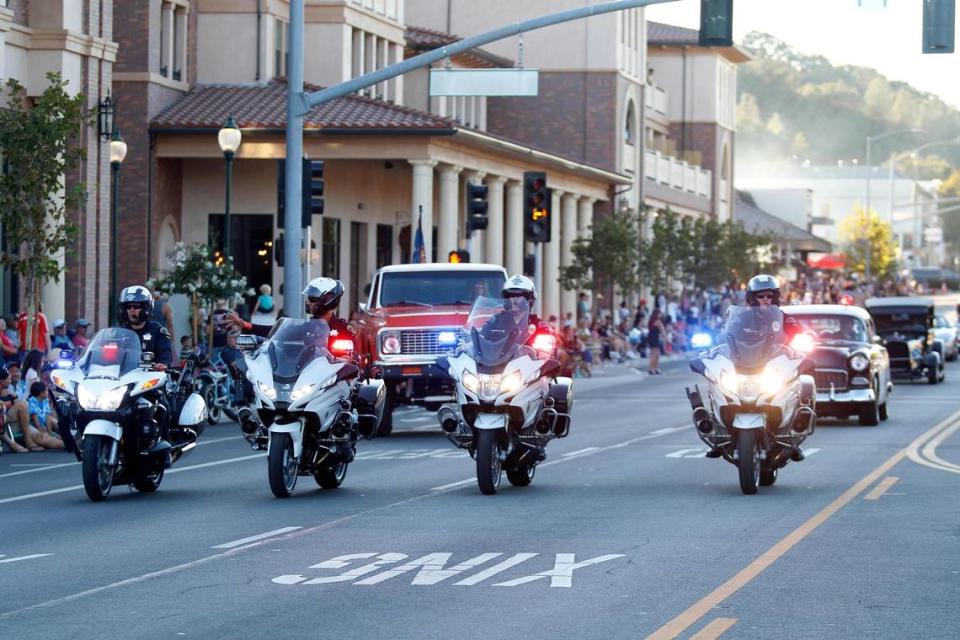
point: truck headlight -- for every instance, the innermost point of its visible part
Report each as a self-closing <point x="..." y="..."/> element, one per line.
<point x="108" y="401"/>
<point x="390" y="343"/>
<point x="859" y="362"/>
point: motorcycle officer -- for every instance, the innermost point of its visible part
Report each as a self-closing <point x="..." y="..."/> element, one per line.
<point x="136" y="305"/>
<point x="323" y="297"/>
<point x="515" y="290"/>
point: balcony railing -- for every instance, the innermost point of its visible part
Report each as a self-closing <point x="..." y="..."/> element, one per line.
<point x="656" y="99"/>
<point x="677" y="174"/>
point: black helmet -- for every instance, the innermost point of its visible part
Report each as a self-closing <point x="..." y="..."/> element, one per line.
<point x="138" y="297"/>
<point x="762" y="282"/>
<point x="323" y="294"/>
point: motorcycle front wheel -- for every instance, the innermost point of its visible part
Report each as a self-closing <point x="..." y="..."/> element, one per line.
<point x="488" y="461"/>
<point x="281" y="465"/>
<point x="97" y="472"/>
<point x="748" y="461"/>
<point x="210" y="399"/>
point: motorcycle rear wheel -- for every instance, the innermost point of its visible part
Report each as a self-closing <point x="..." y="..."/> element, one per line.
<point x="213" y="410"/>
<point x="521" y="476"/>
<point x="97" y="476"/>
<point x="488" y="462"/>
<point x="768" y="475"/>
<point x="331" y="477"/>
<point x="748" y="461"/>
<point x="281" y="465"/>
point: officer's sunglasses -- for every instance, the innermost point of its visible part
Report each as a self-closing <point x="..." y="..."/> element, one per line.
<point x="313" y="300"/>
<point x="765" y="296"/>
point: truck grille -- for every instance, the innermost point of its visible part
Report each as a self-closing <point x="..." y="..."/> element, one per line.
<point x="899" y="353"/>
<point x="423" y="343"/>
<point x="826" y="377"/>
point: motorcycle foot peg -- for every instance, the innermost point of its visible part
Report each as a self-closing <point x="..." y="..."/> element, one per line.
<point x="715" y="452"/>
<point x="798" y="455"/>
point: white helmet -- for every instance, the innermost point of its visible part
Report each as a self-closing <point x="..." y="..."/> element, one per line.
<point x="520" y="285"/>
<point x="322" y="295"/>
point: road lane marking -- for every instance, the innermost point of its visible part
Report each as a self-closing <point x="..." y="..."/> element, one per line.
<point x="703" y="607"/>
<point x="928" y="456"/>
<point x="715" y="629"/>
<point x="881" y="488"/>
<point x="574" y="453"/>
<point x="40" y="494"/>
<point x="30" y="557"/>
<point x="661" y="431"/>
<point x="697" y="452"/>
<point x="259" y="536"/>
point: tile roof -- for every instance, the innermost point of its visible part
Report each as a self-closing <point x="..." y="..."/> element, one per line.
<point x="422" y="39"/>
<point x="755" y="219"/>
<point x="264" y="106"/>
<point x="660" y="33"/>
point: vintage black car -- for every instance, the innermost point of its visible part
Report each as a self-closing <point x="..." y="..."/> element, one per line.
<point x="852" y="368"/>
<point x="907" y="328"/>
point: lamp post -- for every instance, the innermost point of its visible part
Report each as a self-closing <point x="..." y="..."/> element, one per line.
<point x="118" y="151"/>
<point x="229" y="138"/>
<point x="870" y="140"/>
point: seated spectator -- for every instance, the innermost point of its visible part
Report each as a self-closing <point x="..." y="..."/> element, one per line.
<point x="11" y="330"/>
<point x="32" y="368"/>
<point x="60" y="339"/>
<point x="17" y="415"/>
<point x="8" y="350"/>
<point x="79" y="337"/>
<point x="42" y="418"/>
<point x="11" y="429"/>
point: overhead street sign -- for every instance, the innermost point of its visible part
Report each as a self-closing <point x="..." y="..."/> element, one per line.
<point x="484" y="82"/>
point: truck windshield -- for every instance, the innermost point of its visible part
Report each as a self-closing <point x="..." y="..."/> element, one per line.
<point x="437" y="288"/>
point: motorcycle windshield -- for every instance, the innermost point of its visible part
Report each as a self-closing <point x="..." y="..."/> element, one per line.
<point x="294" y="343"/>
<point x="497" y="328"/>
<point x="112" y="353"/>
<point x="754" y="335"/>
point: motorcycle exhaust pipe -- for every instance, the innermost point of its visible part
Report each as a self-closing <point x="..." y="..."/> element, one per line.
<point x="804" y="420"/>
<point x="453" y="429"/>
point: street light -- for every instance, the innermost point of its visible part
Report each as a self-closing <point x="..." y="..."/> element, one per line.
<point x="917" y="217"/>
<point x="118" y="151"/>
<point x="229" y="138"/>
<point x="870" y="140"/>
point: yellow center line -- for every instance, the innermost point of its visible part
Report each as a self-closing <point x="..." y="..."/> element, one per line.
<point x="715" y="629"/>
<point x="683" y="621"/>
<point x="881" y="488"/>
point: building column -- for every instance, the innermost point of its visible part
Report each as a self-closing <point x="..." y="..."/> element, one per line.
<point x="493" y="247"/>
<point x="551" y="266"/>
<point x="476" y="244"/>
<point x="421" y="206"/>
<point x="448" y="220"/>
<point x="514" y="229"/>
<point x="585" y="216"/>
<point x="568" y="220"/>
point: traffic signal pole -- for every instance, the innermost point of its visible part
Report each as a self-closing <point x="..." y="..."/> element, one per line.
<point x="300" y="103"/>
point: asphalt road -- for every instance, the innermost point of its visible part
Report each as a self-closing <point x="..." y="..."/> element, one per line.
<point x="626" y="532"/>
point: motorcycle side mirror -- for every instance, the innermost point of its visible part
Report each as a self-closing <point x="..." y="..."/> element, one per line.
<point x="246" y="342"/>
<point x="348" y="371"/>
<point x="550" y="369"/>
<point x="697" y="366"/>
<point x="443" y="364"/>
<point x="146" y="358"/>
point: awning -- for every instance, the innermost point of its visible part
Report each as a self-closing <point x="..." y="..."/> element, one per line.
<point x="831" y="261"/>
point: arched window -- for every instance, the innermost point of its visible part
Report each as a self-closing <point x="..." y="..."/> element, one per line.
<point x="630" y="126"/>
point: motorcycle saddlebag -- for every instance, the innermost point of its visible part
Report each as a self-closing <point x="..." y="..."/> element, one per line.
<point x="371" y="397"/>
<point x="561" y="392"/>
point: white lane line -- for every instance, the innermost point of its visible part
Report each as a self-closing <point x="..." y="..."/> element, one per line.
<point x="573" y="453"/>
<point x="73" y="464"/>
<point x="30" y="557"/>
<point x="40" y="494"/>
<point x="259" y="536"/>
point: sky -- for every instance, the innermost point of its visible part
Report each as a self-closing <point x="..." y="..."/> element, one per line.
<point x="887" y="39"/>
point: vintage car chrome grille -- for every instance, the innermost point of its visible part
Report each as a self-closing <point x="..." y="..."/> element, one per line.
<point x="423" y="342"/>
<point x="826" y="377"/>
<point x="899" y="353"/>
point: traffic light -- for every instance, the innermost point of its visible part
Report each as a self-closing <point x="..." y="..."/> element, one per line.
<point x="312" y="190"/>
<point x="536" y="207"/>
<point x="939" y="17"/>
<point x="716" y="23"/>
<point x="459" y="256"/>
<point x="476" y="207"/>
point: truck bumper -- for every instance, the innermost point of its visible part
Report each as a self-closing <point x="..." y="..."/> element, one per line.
<point x="417" y="383"/>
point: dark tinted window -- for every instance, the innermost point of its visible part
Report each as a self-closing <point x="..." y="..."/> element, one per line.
<point x="435" y="288"/>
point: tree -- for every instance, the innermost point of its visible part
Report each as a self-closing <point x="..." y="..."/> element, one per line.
<point x="39" y="144"/>
<point x="607" y="257"/>
<point x="665" y="255"/>
<point x="860" y="228"/>
<point x="194" y="272"/>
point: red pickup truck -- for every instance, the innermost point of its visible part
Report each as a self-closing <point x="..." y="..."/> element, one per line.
<point x="413" y="315"/>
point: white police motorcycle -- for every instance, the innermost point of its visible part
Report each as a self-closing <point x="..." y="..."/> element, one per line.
<point x="310" y="404"/>
<point x="115" y="403"/>
<point x="509" y="402"/>
<point x="759" y="404"/>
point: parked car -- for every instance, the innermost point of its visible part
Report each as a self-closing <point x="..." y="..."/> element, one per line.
<point x="935" y="277"/>
<point x="852" y="368"/>
<point x="947" y="334"/>
<point x="906" y="326"/>
<point x="413" y="316"/>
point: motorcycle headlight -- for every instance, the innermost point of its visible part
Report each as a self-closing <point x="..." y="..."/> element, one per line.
<point x="771" y="382"/>
<point x="510" y="384"/>
<point x="307" y="389"/>
<point x="701" y="340"/>
<point x="859" y="362"/>
<point x="109" y="401"/>
<point x="267" y="390"/>
<point x="730" y="382"/>
<point x="471" y="383"/>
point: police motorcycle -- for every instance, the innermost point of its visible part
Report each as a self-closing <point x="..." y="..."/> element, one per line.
<point x="509" y="402"/>
<point x="759" y="404"/>
<point x="115" y="404"/>
<point x="312" y="405"/>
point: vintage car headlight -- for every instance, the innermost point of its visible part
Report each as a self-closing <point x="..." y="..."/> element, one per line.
<point x="859" y="362"/>
<point x="390" y="342"/>
<point x="267" y="390"/>
<point x="730" y="382"/>
<point x="510" y="384"/>
<point x="471" y="383"/>
<point x="109" y="401"/>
